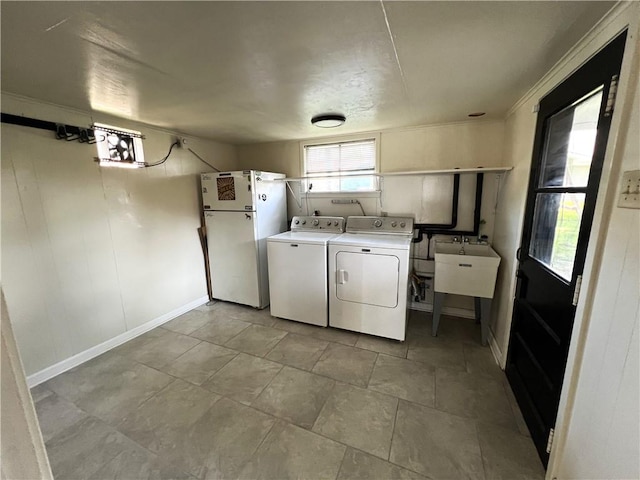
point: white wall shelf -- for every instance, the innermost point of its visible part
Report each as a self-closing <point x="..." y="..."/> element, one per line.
<point x="447" y="171"/>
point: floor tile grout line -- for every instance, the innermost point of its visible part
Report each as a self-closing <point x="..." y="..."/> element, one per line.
<point x="320" y="434"/>
<point x="284" y="421"/>
<point x="484" y="467"/>
<point x="435" y="387"/>
<point x="108" y="426"/>
<point x="268" y="384"/>
<point x="174" y="379"/>
<point x="185" y="352"/>
<point x="392" y="463"/>
<point x="333" y="387"/>
<point x="321" y="354"/>
<point x="154" y="452"/>
<point x="393" y="429"/>
<point x="277" y="343"/>
<point x="373" y="367"/>
<point x="88" y="415"/>
<point x="211" y="376"/>
<point x="344" y="456"/>
<point x="242" y="405"/>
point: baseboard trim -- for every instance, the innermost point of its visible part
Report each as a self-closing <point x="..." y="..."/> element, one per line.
<point x="495" y="349"/>
<point x="79" y="358"/>
<point x="451" y="311"/>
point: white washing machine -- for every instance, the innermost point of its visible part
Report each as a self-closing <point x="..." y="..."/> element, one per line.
<point x="297" y="262"/>
<point x="369" y="269"/>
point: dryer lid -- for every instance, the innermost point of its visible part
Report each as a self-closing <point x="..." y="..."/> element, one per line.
<point x="303" y="237"/>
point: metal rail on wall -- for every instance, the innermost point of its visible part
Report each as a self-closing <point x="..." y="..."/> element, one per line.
<point x="62" y="131"/>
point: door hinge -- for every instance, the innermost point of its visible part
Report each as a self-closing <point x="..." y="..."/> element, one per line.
<point x="550" y="440"/>
<point x="611" y="98"/>
<point x="576" y="291"/>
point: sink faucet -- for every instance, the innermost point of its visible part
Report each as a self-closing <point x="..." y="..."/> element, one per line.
<point x="465" y="239"/>
<point x="456" y="239"/>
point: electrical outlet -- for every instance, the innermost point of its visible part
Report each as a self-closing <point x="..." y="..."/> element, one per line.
<point x="630" y="190"/>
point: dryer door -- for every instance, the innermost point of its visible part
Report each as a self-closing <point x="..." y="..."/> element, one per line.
<point x="367" y="278"/>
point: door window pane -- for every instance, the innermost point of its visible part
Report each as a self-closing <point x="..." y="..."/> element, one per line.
<point x="571" y="137"/>
<point x="556" y="224"/>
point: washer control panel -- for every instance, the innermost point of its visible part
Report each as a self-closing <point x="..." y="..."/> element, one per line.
<point x="386" y="225"/>
<point x="316" y="224"/>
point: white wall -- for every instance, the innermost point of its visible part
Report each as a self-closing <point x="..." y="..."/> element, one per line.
<point x="89" y="253"/>
<point x="21" y="445"/>
<point x="597" y="425"/>
<point x="463" y="145"/>
<point x="426" y="198"/>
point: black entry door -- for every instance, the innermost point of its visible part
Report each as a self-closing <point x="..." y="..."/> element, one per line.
<point x="571" y="136"/>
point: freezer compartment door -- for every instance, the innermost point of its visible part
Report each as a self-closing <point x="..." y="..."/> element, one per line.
<point x="233" y="257"/>
<point x="228" y="191"/>
<point x="367" y="278"/>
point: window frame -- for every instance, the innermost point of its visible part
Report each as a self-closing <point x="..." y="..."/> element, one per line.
<point x="342" y="139"/>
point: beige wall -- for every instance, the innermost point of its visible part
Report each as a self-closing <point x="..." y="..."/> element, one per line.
<point x="426" y="198"/>
<point x="431" y="147"/>
<point x="22" y="448"/>
<point x="597" y="425"/>
<point x="90" y="253"/>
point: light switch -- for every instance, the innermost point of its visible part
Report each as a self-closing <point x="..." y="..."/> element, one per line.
<point x="630" y="190"/>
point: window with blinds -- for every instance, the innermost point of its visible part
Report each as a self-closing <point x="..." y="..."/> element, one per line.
<point x="341" y="167"/>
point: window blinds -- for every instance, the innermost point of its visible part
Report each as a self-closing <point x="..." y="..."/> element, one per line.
<point x="341" y="159"/>
<point x="345" y="158"/>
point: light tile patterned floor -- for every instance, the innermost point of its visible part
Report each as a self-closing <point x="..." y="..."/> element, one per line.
<point x="227" y="391"/>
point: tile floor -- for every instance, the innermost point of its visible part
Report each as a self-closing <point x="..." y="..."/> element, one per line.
<point x="227" y="391"/>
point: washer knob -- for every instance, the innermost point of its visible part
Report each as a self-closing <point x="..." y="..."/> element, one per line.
<point x="316" y="222"/>
<point x="393" y="224"/>
<point x="377" y="223"/>
<point x="304" y="222"/>
<point x="402" y="224"/>
<point x="335" y="224"/>
<point x="297" y="222"/>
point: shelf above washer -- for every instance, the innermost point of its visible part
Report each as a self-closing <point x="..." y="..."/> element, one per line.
<point x="448" y="171"/>
<point x="445" y="171"/>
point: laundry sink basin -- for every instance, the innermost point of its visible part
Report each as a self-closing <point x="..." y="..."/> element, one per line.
<point x="466" y="269"/>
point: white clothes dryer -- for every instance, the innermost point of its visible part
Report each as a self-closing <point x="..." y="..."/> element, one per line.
<point x="369" y="269"/>
<point x="297" y="262"/>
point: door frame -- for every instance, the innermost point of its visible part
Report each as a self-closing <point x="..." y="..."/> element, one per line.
<point x="597" y="70"/>
<point x="605" y="202"/>
<point x="621" y="17"/>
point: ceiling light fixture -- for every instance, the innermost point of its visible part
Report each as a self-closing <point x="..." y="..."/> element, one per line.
<point x="477" y="114"/>
<point x="328" y="120"/>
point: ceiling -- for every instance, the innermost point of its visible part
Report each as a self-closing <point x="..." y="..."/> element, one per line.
<point x="246" y="72"/>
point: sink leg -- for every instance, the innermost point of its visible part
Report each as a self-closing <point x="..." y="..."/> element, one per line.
<point x="438" y="300"/>
<point x="485" y="318"/>
<point x="478" y="308"/>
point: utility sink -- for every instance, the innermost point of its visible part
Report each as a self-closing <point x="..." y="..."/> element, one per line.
<point x="466" y="269"/>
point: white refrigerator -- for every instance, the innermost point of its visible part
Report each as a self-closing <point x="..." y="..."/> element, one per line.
<point x="242" y="209"/>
